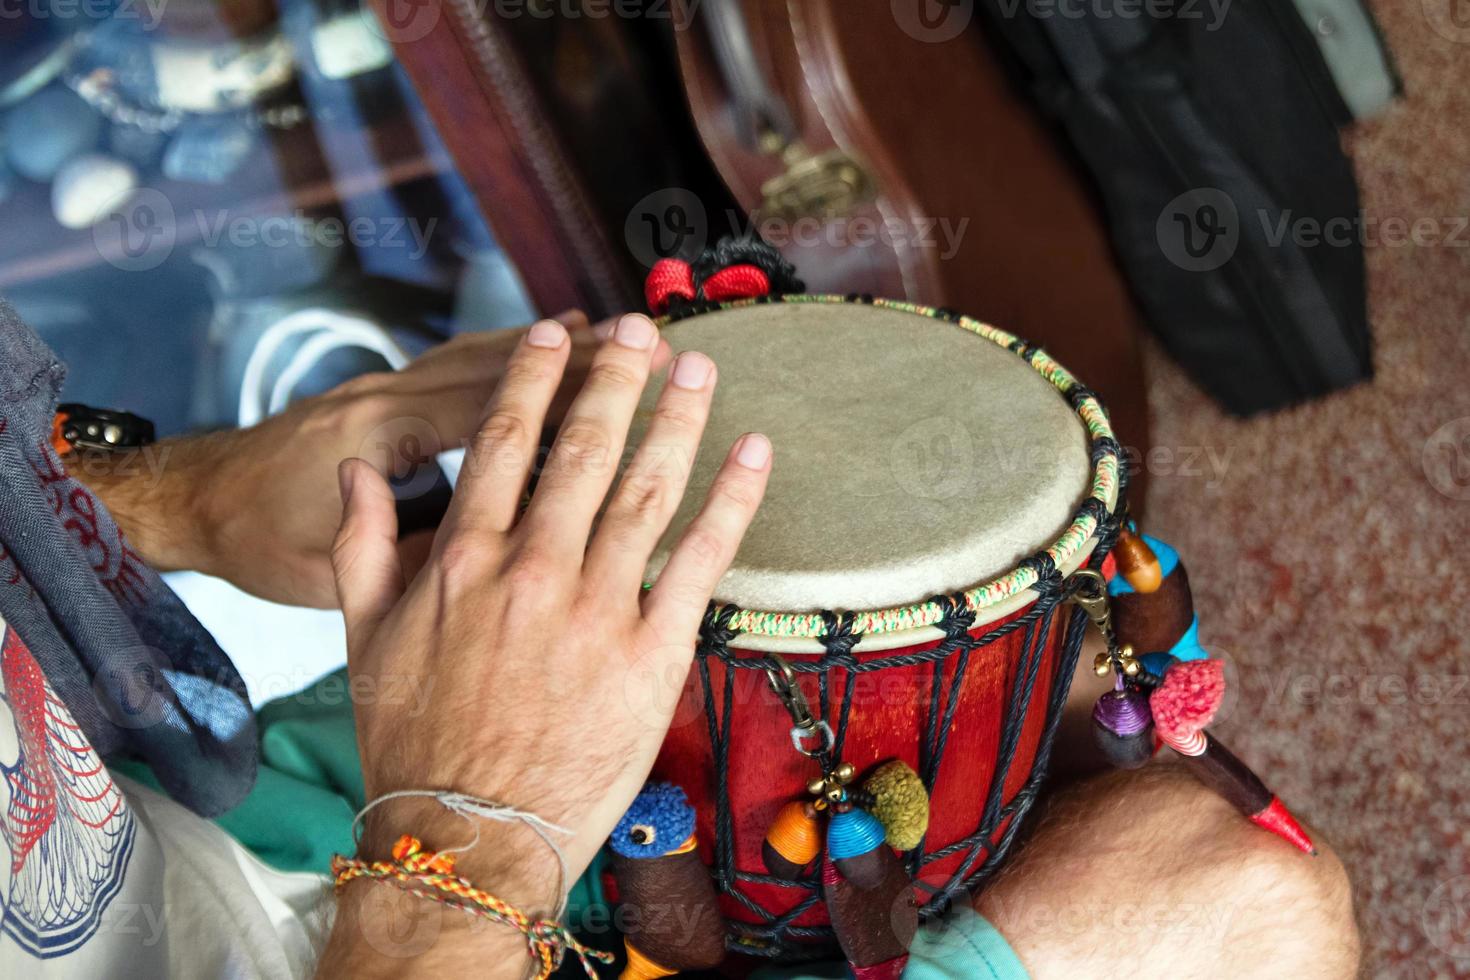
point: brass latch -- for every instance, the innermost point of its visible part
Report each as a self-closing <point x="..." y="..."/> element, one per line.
<point x="825" y="185"/>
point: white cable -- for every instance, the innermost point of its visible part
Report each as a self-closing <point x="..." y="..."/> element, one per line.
<point x="253" y="404"/>
<point x="349" y="333"/>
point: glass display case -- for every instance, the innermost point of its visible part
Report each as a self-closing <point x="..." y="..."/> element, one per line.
<point x="210" y="208"/>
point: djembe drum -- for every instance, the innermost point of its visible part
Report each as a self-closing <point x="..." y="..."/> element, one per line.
<point x="900" y="595"/>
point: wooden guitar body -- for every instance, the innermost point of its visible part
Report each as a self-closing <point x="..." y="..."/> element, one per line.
<point x="985" y="213"/>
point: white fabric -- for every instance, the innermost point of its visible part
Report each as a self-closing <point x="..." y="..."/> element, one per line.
<point x="103" y="878"/>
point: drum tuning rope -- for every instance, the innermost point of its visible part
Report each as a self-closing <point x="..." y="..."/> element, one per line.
<point x="1037" y="678"/>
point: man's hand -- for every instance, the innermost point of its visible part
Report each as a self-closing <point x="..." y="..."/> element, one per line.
<point x="259" y="506"/>
<point x="553" y="674"/>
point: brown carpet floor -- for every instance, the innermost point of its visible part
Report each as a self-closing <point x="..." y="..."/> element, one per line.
<point x="1328" y="544"/>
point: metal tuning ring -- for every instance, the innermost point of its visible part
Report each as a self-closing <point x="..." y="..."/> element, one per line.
<point x="800" y="735"/>
<point x="805" y="726"/>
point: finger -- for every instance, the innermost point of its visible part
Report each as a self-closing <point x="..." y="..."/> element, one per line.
<point x="449" y="385"/>
<point x="676" y="604"/>
<point x="478" y="358"/>
<point x="365" y="552"/>
<point x="588" y="446"/>
<point x="662" y="354"/>
<point x="652" y="488"/>
<point x="501" y="452"/>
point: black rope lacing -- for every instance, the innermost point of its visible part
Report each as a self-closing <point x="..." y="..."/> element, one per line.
<point x="776" y="935"/>
<point x="1000" y="819"/>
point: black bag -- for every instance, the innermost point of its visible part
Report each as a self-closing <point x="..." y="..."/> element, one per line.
<point x="1214" y="144"/>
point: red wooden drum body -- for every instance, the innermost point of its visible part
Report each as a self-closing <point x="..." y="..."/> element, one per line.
<point x="861" y="571"/>
<point x="888" y="719"/>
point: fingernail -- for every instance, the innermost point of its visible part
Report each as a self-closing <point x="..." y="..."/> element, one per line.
<point x="691" y="370"/>
<point x="346" y="473"/>
<point x="637" y="332"/>
<point x="546" y="333"/>
<point x="754" y="452"/>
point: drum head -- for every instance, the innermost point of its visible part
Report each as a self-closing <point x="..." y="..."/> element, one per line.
<point x="913" y="456"/>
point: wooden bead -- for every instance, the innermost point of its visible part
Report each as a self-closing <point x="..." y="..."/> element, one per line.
<point x="792" y="842"/>
<point x="1152" y="622"/>
<point x="1137" y="562"/>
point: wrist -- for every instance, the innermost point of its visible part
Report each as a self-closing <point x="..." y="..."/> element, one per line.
<point x="380" y="929"/>
<point x="509" y="859"/>
<point x="151" y="493"/>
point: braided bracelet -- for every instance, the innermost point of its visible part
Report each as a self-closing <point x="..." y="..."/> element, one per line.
<point x="547" y="939"/>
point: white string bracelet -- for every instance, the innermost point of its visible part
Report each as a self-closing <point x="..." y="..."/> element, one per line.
<point x="468" y="808"/>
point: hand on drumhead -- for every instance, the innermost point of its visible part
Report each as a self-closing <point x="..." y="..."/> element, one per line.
<point x="526" y="624"/>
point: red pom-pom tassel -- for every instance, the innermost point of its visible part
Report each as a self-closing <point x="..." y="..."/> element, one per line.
<point x="667" y="279"/>
<point x="737" y="282"/>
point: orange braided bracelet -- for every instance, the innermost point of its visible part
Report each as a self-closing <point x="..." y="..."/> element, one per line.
<point x="412" y="866"/>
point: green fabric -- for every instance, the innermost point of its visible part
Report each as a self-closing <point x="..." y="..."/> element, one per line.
<point x="310" y="785"/>
<point x="961" y="946"/>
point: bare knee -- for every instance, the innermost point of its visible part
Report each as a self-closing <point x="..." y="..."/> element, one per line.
<point x="1149" y="874"/>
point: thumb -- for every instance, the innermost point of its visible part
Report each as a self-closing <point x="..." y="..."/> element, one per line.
<point x="365" y="552"/>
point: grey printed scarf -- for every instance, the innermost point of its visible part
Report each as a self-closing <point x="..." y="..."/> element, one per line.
<point x="139" y="673"/>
